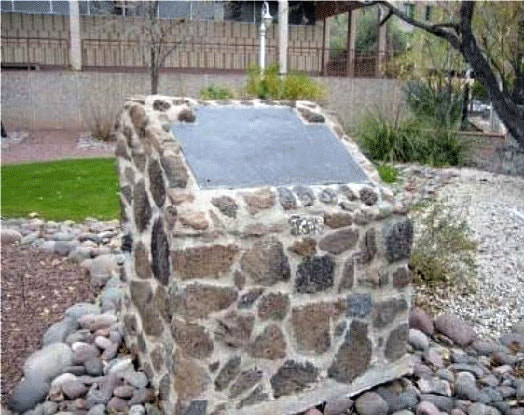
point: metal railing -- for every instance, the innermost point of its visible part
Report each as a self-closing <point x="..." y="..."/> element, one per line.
<point x="233" y="56"/>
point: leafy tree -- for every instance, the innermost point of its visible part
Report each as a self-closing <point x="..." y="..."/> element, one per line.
<point x="470" y="28"/>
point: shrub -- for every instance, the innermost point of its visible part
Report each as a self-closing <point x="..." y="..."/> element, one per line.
<point x="443" y="250"/>
<point x="437" y="106"/>
<point x="388" y="174"/>
<point x="409" y="140"/>
<point x="216" y="92"/>
<point x="100" y="122"/>
<point x="269" y="85"/>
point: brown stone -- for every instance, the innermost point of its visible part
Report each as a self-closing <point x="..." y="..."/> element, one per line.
<point x="191" y="380"/>
<point x="139" y="158"/>
<point x="293" y="377"/>
<point x="273" y="306"/>
<point x="156" y="183"/>
<point x="210" y="261"/>
<point x="191" y="338"/>
<point x="337" y="220"/>
<point x="151" y="321"/>
<point x="402" y="277"/>
<point x="198" y="300"/>
<point x="121" y="150"/>
<point x="170" y="215"/>
<point x="141" y="294"/>
<point x="239" y="279"/>
<point x="245" y="381"/>
<point x="141" y="206"/>
<point x="311" y="326"/>
<point x="138" y="116"/>
<point x="228" y="372"/>
<point x="260" y="229"/>
<point x="266" y="262"/>
<point x="226" y="205"/>
<point x="194" y="219"/>
<point x="397" y="342"/>
<point x="178" y="197"/>
<point x="348" y="277"/>
<point x="354" y="354"/>
<point x="305" y="247"/>
<point x="386" y="311"/>
<point x="339" y="241"/>
<point x="259" y="200"/>
<point x="130" y="324"/>
<point x="270" y="344"/>
<point x="160" y="252"/>
<point x="369" y="246"/>
<point x="142" y="264"/>
<point x="127" y="192"/>
<point x="157" y="358"/>
<point x="235" y="329"/>
<point x="161" y="300"/>
<point x="176" y="171"/>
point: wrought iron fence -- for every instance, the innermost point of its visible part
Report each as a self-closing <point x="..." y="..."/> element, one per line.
<point x="124" y="54"/>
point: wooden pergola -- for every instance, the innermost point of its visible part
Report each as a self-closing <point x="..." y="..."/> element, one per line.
<point x="326" y="9"/>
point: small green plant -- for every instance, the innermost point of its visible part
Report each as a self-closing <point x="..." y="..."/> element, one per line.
<point x="388" y="174"/>
<point x="216" y="92"/>
<point x="268" y="84"/>
<point x="444" y="250"/>
<point x="386" y="140"/>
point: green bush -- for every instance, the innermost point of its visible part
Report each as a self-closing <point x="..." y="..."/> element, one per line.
<point x="269" y="85"/>
<point x="438" y="107"/>
<point x="443" y="250"/>
<point x="388" y="174"/>
<point x="216" y="92"/>
<point x="409" y="140"/>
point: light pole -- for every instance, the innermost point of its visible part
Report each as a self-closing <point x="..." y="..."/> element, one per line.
<point x="265" y="21"/>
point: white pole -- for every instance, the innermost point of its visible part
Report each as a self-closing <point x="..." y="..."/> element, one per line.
<point x="75" y="49"/>
<point x="262" y="51"/>
<point x="282" y="35"/>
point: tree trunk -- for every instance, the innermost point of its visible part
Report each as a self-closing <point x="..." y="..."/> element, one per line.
<point x="507" y="110"/>
<point x="154" y="72"/>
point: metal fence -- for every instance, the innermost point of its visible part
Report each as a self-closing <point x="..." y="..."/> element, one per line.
<point x="120" y="54"/>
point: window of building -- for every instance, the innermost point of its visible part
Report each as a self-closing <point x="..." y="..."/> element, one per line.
<point x="409" y="9"/>
<point x="428" y="12"/>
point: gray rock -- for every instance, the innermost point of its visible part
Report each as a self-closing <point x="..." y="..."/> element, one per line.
<point x="444" y="403"/>
<point x="117" y="405"/>
<point x="94" y="367"/>
<point x="137" y="410"/>
<point x="49" y="362"/>
<point x="501" y="358"/>
<point x="489" y="380"/>
<point x="338" y="406"/>
<point x="74" y="389"/>
<point x="305" y="195"/>
<point x="62" y="236"/>
<point x="136" y="379"/>
<point x="485" y="347"/>
<point x="63" y="248"/>
<point x="465" y="388"/>
<point x="397" y="401"/>
<point x="479" y="408"/>
<point x="434" y="386"/>
<point x="433" y="357"/>
<point x="75" y="370"/>
<point x="27" y="394"/>
<point x="475" y="369"/>
<point x="403" y="412"/>
<point x="493" y="394"/>
<point x="446" y="375"/>
<point x="49" y="407"/>
<point x="286" y="198"/>
<point x="63" y="378"/>
<point x="519" y="388"/>
<point x="455" y="328"/>
<point x="102" y="342"/>
<point x="80" y="309"/>
<point x="518" y="327"/>
<point x="120" y="365"/>
<point x="98" y="409"/>
<point x="59" y="331"/>
<point x="82" y="352"/>
<point x="82" y="336"/>
<point x="328" y="196"/>
<point x="10" y="236"/>
<point x="418" y="339"/>
<point x="79" y="253"/>
<point x="124" y="391"/>
<point x="515" y="340"/>
<point x="101" y="268"/>
<point x="48" y="246"/>
<point x="427" y="408"/>
<point x="370" y="403"/>
<point x="30" y="238"/>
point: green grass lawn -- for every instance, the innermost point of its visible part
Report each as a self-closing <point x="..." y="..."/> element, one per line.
<point x="61" y="190"/>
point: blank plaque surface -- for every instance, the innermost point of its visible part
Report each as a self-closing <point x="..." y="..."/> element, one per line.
<point x="234" y="147"/>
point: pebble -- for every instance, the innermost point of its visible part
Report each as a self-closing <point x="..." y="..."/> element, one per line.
<point x="74" y="389"/>
<point x="370" y="403"/>
<point x="427" y="408"/>
<point x="418" y="339"/>
<point x="136" y="379"/>
<point x="338" y="406"/>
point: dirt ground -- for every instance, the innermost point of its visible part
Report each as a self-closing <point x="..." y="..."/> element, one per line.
<point x="45" y="145"/>
<point x="37" y="287"/>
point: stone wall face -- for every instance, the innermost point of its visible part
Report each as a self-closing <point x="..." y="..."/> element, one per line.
<point x="260" y="300"/>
